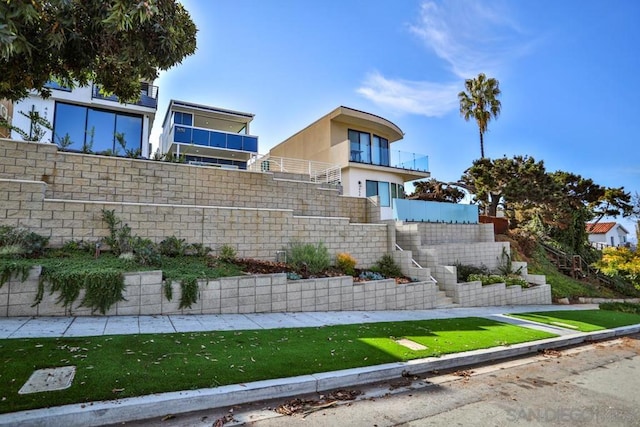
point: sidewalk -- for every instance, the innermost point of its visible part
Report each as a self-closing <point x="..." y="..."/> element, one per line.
<point x="145" y="407"/>
<point x="29" y="327"/>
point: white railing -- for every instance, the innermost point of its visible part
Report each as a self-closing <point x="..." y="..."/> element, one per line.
<point x="318" y="172"/>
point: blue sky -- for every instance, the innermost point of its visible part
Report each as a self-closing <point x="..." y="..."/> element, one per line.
<point x="568" y="72"/>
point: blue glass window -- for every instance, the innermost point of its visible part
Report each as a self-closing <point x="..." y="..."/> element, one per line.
<point x="70" y="120"/>
<point x="380" y="189"/>
<point x="101" y="126"/>
<point x="131" y="128"/>
<point x="183" y="118"/>
<point x="96" y="128"/>
<point x="250" y="144"/>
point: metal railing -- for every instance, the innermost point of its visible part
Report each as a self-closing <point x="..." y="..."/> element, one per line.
<point x="318" y="172"/>
<point x="148" y="96"/>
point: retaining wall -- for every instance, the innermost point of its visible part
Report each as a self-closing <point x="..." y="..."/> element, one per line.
<point x="270" y="293"/>
<point x="73" y="176"/>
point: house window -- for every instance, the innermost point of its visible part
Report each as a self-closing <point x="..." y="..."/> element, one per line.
<point x="183" y="118"/>
<point x="95" y="129"/>
<point x="380" y="189"/>
<point x="366" y="148"/>
<point x="397" y="191"/>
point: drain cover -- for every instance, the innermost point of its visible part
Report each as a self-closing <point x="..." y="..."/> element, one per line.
<point x="49" y="379"/>
<point x="411" y="345"/>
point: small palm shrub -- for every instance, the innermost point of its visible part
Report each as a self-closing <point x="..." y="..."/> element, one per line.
<point x="309" y="257"/>
<point x="346" y="263"/>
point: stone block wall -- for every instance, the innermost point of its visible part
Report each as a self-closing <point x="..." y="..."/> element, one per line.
<point x="253" y="232"/>
<point x="73" y="176"/>
<point x="270" y="293"/>
<point x="473" y="294"/>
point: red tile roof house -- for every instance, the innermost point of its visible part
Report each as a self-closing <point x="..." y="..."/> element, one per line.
<point x="603" y="234"/>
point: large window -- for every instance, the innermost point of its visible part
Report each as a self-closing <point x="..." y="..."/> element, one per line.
<point x="96" y="130"/>
<point x="385" y="191"/>
<point x="367" y="149"/>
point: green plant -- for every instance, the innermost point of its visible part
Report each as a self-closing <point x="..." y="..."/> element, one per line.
<point x="18" y="241"/>
<point x="387" y="266"/>
<point x="87" y="146"/>
<point x="13" y="269"/>
<point x="506" y="264"/>
<point x="103" y="287"/>
<point x="346" y="263"/>
<point x="308" y="257"/>
<point x="189" y="287"/>
<point x="145" y="251"/>
<point x="172" y="246"/>
<point x="119" y="239"/>
<point x="38" y="126"/>
<point x="464" y="271"/>
<point x="65" y="142"/>
<point x="128" y="152"/>
<point x="227" y="253"/>
<point x="198" y="249"/>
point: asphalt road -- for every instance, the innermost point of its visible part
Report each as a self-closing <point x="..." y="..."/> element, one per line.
<point x="591" y="385"/>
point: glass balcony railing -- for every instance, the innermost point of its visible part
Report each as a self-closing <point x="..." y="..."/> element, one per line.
<point x="393" y="158"/>
<point x="409" y="161"/>
<point x="148" y="96"/>
<point x="215" y="139"/>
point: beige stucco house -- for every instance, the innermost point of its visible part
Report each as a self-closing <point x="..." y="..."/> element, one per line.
<point x="360" y="144"/>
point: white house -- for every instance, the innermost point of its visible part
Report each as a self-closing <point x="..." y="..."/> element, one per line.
<point x="603" y="234"/>
<point x="89" y="120"/>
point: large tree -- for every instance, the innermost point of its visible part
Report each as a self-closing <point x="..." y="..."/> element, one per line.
<point x="114" y="43"/>
<point x="505" y="182"/>
<point x="480" y="102"/>
<point x="436" y="191"/>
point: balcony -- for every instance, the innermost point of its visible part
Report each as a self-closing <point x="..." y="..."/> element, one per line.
<point x="148" y="96"/>
<point x="394" y="159"/>
<point x="215" y="139"/>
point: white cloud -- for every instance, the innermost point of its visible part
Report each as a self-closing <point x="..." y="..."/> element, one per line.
<point x="404" y="96"/>
<point x="470" y="36"/>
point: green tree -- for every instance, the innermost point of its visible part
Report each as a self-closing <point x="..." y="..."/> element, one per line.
<point x="436" y="191"/>
<point x="480" y="102"/>
<point x="506" y="182"/>
<point x="113" y="43"/>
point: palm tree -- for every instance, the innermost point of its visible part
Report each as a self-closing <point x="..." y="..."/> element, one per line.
<point x="480" y="102"/>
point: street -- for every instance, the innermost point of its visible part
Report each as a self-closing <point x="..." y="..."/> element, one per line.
<point x="590" y="385"/>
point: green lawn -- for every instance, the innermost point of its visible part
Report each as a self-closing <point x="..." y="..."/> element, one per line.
<point x="132" y="365"/>
<point x="582" y="320"/>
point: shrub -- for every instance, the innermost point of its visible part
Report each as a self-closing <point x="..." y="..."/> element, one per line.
<point x="464" y="271"/>
<point x="145" y="251"/>
<point x="16" y="241"/>
<point x="387" y="266"/>
<point x="119" y="239"/>
<point x="346" y="263"/>
<point x="172" y="247"/>
<point x="371" y="275"/>
<point x="306" y="256"/>
<point x="227" y="253"/>
<point x="490" y="279"/>
<point x="623" y="307"/>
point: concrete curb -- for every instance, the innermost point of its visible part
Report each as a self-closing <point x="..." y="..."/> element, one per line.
<point x="143" y="407"/>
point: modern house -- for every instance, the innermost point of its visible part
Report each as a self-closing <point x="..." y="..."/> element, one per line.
<point x="604" y="234"/>
<point x="359" y="143"/>
<point x="208" y="135"/>
<point x="87" y="120"/>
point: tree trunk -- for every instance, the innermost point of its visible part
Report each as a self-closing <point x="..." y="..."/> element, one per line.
<point x="481" y="146"/>
<point x="493" y="204"/>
